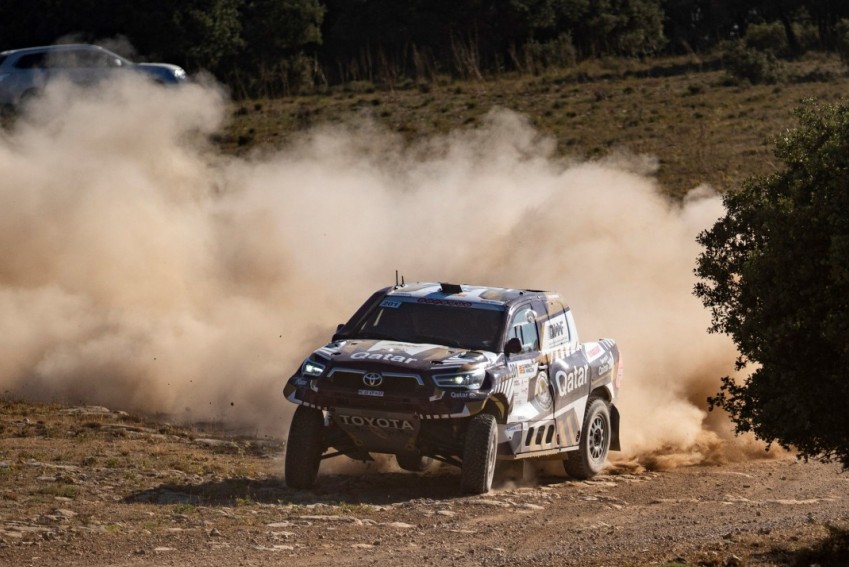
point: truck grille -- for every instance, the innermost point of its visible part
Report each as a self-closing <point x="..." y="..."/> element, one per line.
<point x="392" y="383"/>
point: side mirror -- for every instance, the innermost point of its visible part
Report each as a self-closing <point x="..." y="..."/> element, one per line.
<point x="513" y="346"/>
<point x="339" y="327"/>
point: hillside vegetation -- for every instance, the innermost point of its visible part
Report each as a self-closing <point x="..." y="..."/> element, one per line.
<point x="702" y="125"/>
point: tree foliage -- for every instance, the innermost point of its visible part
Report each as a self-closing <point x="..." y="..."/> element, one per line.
<point x="775" y="275"/>
<point x="271" y="47"/>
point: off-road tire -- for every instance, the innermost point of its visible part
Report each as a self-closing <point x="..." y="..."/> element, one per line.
<point x="481" y="445"/>
<point x="413" y="462"/>
<point x="304" y="447"/>
<point x="591" y="455"/>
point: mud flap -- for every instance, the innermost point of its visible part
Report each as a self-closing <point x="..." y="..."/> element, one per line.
<point x="614" y="429"/>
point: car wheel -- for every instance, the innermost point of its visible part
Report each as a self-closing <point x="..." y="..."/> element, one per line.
<point x="481" y="445"/>
<point x="304" y="447"/>
<point x="591" y="455"/>
<point x="412" y="462"/>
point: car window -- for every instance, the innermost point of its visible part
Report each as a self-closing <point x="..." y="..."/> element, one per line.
<point x="476" y="328"/>
<point x="64" y="59"/>
<point x="97" y="59"/>
<point x="524" y="327"/>
<point x="30" y="61"/>
<point x="90" y="59"/>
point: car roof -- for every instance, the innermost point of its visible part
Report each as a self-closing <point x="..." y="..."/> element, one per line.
<point x="59" y="47"/>
<point x="469" y="293"/>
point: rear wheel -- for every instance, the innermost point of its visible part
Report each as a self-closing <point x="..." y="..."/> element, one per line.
<point x="591" y="455"/>
<point x="481" y="445"/>
<point x="412" y="462"/>
<point x="304" y="447"/>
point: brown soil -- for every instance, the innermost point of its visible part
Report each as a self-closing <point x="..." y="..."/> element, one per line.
<point x="88" y="486"/>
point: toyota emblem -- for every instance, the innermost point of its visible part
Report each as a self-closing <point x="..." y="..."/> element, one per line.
<point x="372" y="379"/>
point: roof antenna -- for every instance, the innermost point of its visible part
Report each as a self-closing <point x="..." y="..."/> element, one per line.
<point x="396" y="278"/>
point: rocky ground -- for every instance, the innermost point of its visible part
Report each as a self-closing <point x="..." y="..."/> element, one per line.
<point x="89" y="486"/>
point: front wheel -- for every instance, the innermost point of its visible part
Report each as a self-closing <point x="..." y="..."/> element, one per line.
<point x="591" y="455"/>
<point x="304" y="447"/>
<point x="481" y="445"/>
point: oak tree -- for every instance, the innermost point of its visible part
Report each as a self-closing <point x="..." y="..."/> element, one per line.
<point x="775" y="275"/>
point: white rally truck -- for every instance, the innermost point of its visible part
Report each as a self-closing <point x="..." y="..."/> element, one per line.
<point x="463" y="374"/>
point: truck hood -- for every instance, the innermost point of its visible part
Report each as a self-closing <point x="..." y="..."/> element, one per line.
<point x="413" y="357"/>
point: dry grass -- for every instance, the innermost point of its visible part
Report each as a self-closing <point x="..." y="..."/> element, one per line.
<point x="701" y="126"/>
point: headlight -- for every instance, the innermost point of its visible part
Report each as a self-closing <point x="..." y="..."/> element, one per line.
<point x="472" y="380"/>
<point x="179" y="74"/>
<point x="312" y="369"/>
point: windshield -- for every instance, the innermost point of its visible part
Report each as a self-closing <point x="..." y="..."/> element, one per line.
<point x="452" y="324"/>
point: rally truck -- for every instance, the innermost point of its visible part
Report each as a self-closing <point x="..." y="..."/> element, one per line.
<point x="462" y="374"/>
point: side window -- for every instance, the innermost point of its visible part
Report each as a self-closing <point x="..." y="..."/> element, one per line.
<point x="30" y="61"/>
<point x="98" y="59"/>
<point x="90" y="59"/>
<point x="62" y="59"/>
<point x="523" y="326"/>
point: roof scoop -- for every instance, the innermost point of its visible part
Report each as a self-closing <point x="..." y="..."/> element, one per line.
<point x="450" y="288"/>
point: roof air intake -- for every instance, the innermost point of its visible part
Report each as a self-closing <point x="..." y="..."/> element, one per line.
<point x="450" y="288"/>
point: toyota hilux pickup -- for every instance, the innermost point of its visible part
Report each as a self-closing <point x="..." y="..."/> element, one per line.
<point x="462" y="374"/>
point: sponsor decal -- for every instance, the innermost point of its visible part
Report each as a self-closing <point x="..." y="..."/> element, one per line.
<point x="555" y="332"/>
<point x="390" y="303"/>
<point x="526" y="367"/>
<point x="373" y="393"/>
<point x="605" y="365"/>
<point x="542" y="394"/>
<point x="387" y="357"/>
<point x="520" y="378"/>
<point x="558" y="329"/>
<point x="467" y="395"/>
<point x="381" y="422"/>
<point x="594" y="351"/>
<point x="444" y="302"/>
<point x="571" y="379"/>
<point x="300" y="382"/>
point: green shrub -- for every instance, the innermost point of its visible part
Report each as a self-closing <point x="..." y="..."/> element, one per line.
<point x="808" y="35"/>
<point x="745" y="63"/>
<point x="769" y="37"/>
<point x="555" y="53"/>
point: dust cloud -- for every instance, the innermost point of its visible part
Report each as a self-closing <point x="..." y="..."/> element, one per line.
<point x="142" y="269"/>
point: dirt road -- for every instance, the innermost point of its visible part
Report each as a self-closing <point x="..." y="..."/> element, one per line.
<point x="86" y="486"/>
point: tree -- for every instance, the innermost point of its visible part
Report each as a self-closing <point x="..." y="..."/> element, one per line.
<point x="197" y="34"/>
<point x="615" y="27"/>
<point x="278" y="34"/>
<point x="775" y="275"/>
